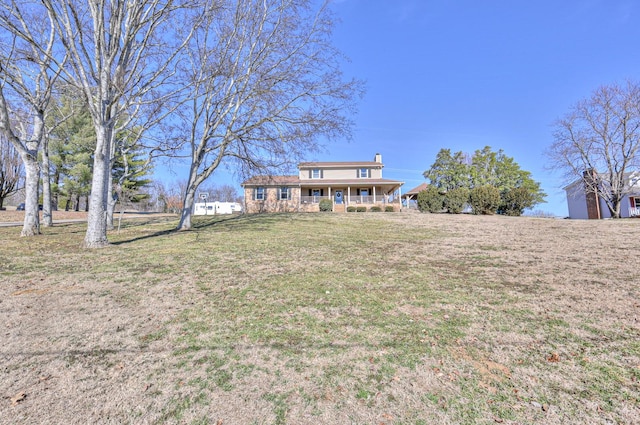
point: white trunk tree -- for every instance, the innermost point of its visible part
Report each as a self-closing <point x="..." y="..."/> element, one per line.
<point x="47" y="207"/>
<point x="11" y="169"/>
<point x="121" y="56"/>
<point x="598" y="141"/>
<point x="266" y="86"/>
<point x="28" y="72"/>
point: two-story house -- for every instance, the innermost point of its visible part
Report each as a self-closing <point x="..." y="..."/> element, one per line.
<point x="584" y="203"/>
<point x="344" y="183"/>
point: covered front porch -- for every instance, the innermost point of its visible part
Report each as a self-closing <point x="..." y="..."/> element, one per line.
<point x="359" y="194"/>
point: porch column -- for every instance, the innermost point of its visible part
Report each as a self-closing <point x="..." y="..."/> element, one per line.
<point x="374" y="194"/>
<point x="348" y="195"/>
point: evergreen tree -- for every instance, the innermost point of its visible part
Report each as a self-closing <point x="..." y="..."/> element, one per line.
<point x="486" y="169"/>
<point x="130" y="172"/>
<point x="70" y="150"/>
<point x="448" y="171"/>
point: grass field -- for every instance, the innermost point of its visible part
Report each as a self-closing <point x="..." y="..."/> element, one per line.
<point x="374" y="318"/>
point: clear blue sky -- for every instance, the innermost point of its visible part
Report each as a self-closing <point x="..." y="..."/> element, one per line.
<point x="463" y="74"/>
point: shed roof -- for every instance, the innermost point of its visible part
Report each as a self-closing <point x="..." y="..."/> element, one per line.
<point x="417" y="189"/>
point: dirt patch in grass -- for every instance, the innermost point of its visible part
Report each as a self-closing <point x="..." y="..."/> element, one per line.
<point x="323" y="318"/>
<point x="7" y="216"/>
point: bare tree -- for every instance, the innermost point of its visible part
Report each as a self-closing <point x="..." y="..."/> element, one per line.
<point x="225" y="193"/>
<point x="121" y="57"/>
<point x="11" y="169"/>
<point x="598" y="141"/>
<point x="27" y="75"/>
<point x="167" y="196"/>
<point x="266" y="85"/>
<point x="221" y="193"/>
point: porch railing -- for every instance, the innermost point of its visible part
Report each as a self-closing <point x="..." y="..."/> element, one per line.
<point x="312" y="199"/>
<point x="354" y="200"/>
<point x="634" y="212"/>
<point x="363" y="199"/>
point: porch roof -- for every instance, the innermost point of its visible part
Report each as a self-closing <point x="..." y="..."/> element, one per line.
<point x="296" y="182"/>
<point x="349" y="182"/>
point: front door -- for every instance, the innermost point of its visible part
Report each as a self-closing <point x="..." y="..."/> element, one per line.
<point x="338" y="196"/>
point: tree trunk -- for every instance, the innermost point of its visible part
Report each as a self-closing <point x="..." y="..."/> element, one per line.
<point x="31" y="226"/>
<point x="189" y="197"/>
<point x="47" y="217"/>
<point x="187" y="210"/>
<point x="111" y="205"/>
<point x="96" y="236"/>
<point x="614" y="208"/>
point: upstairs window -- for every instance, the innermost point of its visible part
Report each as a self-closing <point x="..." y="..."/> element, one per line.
<point x="284" y="193"/>
<point x="363" y="173"/>
<point x="259" y="194"/>
<point x="316" y="173"/>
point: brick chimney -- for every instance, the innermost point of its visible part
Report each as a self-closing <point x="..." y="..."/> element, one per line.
<point x="590" y="178"/>
<point x="378" y="158"/>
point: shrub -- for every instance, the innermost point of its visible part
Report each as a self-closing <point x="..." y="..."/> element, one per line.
<point x="326" y="205"/>
<point x="361" y="209"/>
<point x="375" y="208"/>
<point x="484" y="199"/>
<point x="456" y="199"/>
<point x="389" y="208"/>
<point x="430" y="200"/>
<point x="515" y="201"/>
<point x="351" y="209"/>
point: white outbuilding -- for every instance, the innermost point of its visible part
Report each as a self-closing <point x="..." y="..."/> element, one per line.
<point x="215" y="208"/>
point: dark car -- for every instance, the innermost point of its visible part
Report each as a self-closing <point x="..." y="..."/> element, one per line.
<point x="21" y="207"/>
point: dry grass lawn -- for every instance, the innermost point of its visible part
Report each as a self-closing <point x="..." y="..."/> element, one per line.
<point x="359" y="318"/>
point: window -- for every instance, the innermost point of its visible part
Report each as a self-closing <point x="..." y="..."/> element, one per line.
<point x="363" y="173"/>
<point x="284" y="193"/>
<point x="316" y="174"/>
<point x="259" y="193"/>
<point x="363" y="192"/>
<point x="316" y="192"/>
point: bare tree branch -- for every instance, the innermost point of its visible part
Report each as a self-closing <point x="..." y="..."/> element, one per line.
<point x="598" y="142"/>
<point x="267" y="86"/>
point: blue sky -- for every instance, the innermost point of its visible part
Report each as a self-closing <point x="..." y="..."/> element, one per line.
<point x="463" y="74"/>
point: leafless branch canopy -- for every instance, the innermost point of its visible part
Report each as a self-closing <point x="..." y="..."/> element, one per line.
<point x="267" y="85"/>
<point x="598" y="141"/>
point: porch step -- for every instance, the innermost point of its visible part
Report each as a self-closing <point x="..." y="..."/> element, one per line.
<point x="338" y="208"/>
